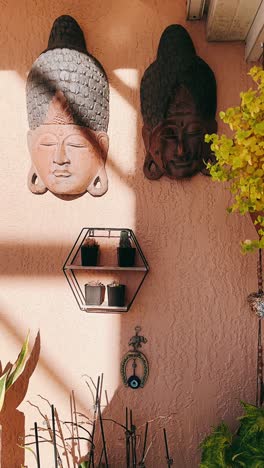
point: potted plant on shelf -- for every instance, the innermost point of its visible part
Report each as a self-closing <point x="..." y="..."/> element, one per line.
<point x="89" y="252"/>
<point x="94" y="293"/>
<point x="125" y="251"/>
<point x="240" y="159"/>
<point x="243" y="448"/>
<point x="116" y="294"/>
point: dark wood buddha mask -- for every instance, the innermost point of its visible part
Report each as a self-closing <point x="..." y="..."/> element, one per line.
<point x="178" y="104"/>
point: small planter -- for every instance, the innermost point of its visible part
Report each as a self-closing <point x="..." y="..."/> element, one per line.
<point x="94" y="293"/>
<point x="89" y="253"/>
<point x="126" y="256"/>
<point x="125" y="252"/>
<point x="116" y="294"/>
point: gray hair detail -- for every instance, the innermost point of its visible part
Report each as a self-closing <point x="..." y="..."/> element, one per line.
<point x="75" y="73"/>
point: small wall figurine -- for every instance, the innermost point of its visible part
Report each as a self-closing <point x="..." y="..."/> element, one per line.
<point x="178" y="104"/>
<point x="67" y="95"/>
<point x="139" y="363"/>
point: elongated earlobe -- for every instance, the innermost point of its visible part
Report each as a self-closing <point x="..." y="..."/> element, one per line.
<point x="103" y="141"/>
<point x="99" y="184"/>
<point x="151" y="169"/>
<point x="35" y="183"/>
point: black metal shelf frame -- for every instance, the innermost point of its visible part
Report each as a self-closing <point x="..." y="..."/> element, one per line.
<point x="69" y="268"/>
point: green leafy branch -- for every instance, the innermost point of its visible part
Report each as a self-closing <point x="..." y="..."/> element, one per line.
<point x="244" y="448"/>
<point x="240" y="159"/>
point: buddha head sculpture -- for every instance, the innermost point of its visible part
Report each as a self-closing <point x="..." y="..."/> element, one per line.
<point x="68" y="111"/>
<point x="178" y="104"/>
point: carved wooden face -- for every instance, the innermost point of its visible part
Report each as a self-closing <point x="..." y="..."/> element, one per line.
<point x="67" y="159"/>
<point x="175" y="147"/>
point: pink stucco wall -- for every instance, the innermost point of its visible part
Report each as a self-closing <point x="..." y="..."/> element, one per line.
<point x="192" y="308"/>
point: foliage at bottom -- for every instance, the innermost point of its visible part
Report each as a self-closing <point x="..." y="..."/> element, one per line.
<point x="244" y="448"/>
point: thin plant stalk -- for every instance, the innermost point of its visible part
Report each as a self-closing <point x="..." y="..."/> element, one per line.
<point x="169" y="460"/>
<point x="127" y="435"/>
<point x="100" y="460"/>
<point x="62" y="438"/>
<point x="54" y="437"/>
<point x="76" y="425"/>
<point x="101" y="419"/>
<point x="91" y="454"/>
<point x="142" y="461"/>
<point x="133" y="441"/>
<point x="37" y="444"/>
<point x="72" y="433"/>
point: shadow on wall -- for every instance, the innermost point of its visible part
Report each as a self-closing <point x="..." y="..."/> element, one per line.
<point x="33" y="260"/>
<point x="191" y="303"/>
<point x="12" y="421"/>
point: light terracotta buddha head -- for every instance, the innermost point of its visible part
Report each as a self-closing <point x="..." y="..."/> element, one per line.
<point x="178" y="103"/>
<point x="68" y="113"/>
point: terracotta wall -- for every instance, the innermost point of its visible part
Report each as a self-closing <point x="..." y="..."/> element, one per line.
<point x="192" y="308"/>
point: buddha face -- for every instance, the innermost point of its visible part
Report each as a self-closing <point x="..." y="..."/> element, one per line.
<point x="67" y="159"/>
<point x="175" y="147"/>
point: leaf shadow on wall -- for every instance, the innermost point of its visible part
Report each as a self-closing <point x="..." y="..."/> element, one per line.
<point x="11" y="419"/>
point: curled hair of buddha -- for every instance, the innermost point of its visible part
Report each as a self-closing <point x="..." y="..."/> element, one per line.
<point x="67" y="68"/>
<point x="177" y="65"/>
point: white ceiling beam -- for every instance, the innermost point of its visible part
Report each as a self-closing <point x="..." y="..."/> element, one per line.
<point x="230" y="20"/>
<point x="255" y="37"/>
<point x="195" y="9"/>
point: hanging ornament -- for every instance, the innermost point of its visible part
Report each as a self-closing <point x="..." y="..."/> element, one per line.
<point x="139" y="360"/>
<point x="256" y="302"/>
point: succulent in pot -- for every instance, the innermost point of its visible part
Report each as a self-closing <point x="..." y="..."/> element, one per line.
<point x="89" y="252"/>
<point x="116" y="294"/>
<point x="94" y="293"/>
<point x="125" y="252"/>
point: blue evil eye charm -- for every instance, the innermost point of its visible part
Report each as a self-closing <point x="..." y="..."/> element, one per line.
<point x="134" y="382"/>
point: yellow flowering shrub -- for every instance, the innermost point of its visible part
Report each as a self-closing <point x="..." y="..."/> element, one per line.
<point x="240" y="160"/>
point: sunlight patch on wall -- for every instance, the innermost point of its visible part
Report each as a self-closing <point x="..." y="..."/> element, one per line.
<point x="129" y="76"/>
<point x="124" y="120"/>
<point x="64" y="359"/>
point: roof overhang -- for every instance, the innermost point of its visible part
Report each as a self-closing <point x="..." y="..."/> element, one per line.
<point x="232" y="20"/>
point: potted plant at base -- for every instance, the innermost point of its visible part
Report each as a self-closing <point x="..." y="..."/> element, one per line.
<point x="240" y="160"/>
<point x="9" y="377"/>
<point x="89" y="252"/>
<point x="244" y="448"/>
<point x="116" y="294"/>
<point x="94" y="293"/>
<point x="125" y="251"/>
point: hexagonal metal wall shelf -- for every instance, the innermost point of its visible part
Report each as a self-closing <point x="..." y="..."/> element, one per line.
<point x="75" y="272"/>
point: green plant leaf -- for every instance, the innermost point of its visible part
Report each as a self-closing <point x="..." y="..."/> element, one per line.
<point x="244" y="448"/>
<point x="3" y="379"/>
<point x="29" y="449"/>
<point x="19" y="365"/>
<point x="215" y="448"/>
<point x="259" y="128"/>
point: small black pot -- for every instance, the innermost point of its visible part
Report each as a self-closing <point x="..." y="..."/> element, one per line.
<point x="89" y="255"/>
<point x="116" y="295"/>
<point x="126" y="256"/>
<point x="94" y="294"/>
